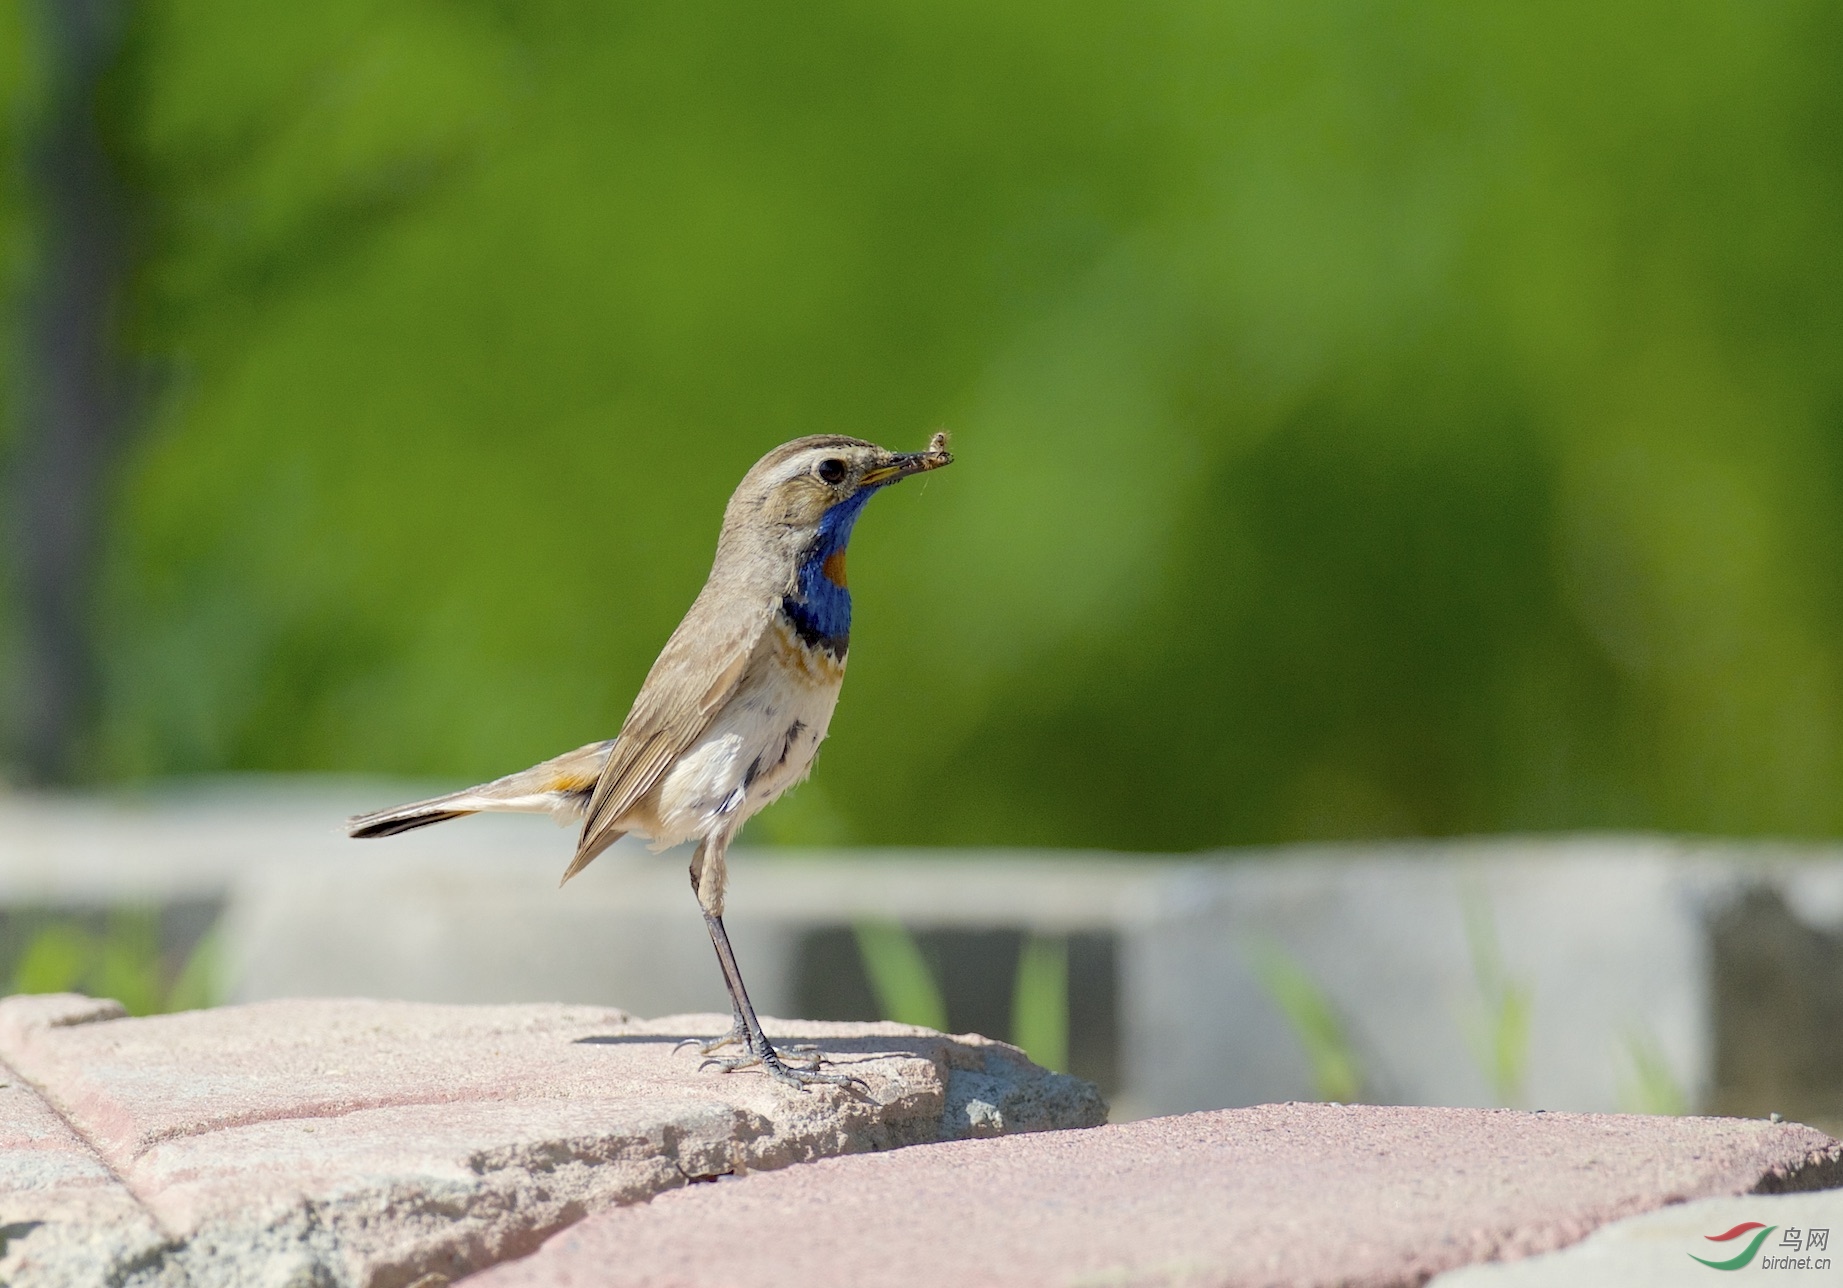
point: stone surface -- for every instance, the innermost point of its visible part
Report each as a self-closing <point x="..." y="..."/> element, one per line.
<point x="1275" y="1195"/>
<point x="1654" y="1250"/>
<point x="374" y="1143"/>
<point x="63" y="1213"/>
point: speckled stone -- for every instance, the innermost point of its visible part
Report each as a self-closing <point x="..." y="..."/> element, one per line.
<point x="1289" y="1194"/>
<point x="375" y="1143"/>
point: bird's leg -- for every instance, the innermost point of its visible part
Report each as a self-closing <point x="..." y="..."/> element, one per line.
<point x="760" y="1050"/>
<point x="738" y="1031"/>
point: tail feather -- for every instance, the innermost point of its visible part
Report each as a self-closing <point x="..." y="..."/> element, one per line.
<point x="559" y="787"/>
<point x="405" y="818"/>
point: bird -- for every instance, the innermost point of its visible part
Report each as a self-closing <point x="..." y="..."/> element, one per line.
<point x="732" y="713"/>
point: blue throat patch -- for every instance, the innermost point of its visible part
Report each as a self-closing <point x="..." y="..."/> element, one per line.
<point x="821" y="610"/>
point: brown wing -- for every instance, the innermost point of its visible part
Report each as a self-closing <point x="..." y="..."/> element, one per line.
<point x="698" y="669"/>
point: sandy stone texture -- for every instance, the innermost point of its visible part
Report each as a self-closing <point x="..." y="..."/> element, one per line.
<point x="1295" y="1194"/>
<point x="1654" y="1250"/>
<point x="63" y="1215"/>
<point x="335" y="1143"/>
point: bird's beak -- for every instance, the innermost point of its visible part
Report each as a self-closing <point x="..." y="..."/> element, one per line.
<point x="903" y="464"/>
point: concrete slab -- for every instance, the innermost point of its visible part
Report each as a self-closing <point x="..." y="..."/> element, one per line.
<point x="1274" y="1195"/>
<point x="1400" y="941"/>
<point x="374" y="1143"/>
<point x="190" y="841"/>
<point x="1615" y="986"/>
<point x="422" y="918"/>
<point x="1603" y="941"/>
<point x="1800" y="1245"/>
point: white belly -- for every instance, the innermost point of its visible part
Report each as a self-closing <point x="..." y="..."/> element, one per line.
<point x="761" y="743"/>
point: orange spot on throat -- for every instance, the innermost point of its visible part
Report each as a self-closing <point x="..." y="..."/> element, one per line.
<point x="834" y="567"/>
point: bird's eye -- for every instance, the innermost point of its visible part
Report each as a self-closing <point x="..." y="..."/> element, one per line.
<point x="832" y="469"/>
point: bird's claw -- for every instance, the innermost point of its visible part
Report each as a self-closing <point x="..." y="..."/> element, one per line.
<point x="705" y="1046"/>
<point x="729" y="1064"/>
<point x="798" y="1076"/>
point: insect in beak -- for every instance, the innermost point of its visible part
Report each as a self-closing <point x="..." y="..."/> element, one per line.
<point x="903" y="464"/>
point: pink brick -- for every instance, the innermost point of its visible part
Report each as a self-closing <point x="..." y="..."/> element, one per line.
<point x="1296" y="1195"/>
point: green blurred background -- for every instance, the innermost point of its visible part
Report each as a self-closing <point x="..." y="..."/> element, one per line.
<point x="1374" y="419"/>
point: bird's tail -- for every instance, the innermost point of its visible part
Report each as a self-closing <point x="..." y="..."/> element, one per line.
<point x="406" y="818"/>
<point x="559" y="787"/>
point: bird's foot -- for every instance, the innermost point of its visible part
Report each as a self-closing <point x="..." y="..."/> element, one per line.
<point x="799" y="1076"/>
<point x="704" y="1046"/>
<point x="802" y="1076"/>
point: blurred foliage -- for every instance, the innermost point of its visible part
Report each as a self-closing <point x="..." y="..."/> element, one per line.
<point x="1373" y="418"/>
<point x="1337" y="1073"/>
<point x="1040" y="1002"/>
<point x="1498" y="1027"/>
<point x="117" y="954"/>
<point x="1646" y="1084"/>
<point x="21" y="94"/>
<point x="905" y="989"/>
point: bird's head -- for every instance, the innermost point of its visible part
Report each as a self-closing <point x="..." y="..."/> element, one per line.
<point x="801" y="499"/>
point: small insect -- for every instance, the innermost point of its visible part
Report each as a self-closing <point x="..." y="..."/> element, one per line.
<point x="939" y="442"/>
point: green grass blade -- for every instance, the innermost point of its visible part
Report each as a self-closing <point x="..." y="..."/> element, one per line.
<point x="1040" y="1002"/>
<point x="1336" y="1073"/>
<point x="1498" y="1031"/>
<point x="905" y="988"/>
<point x="1650" y="1087"/>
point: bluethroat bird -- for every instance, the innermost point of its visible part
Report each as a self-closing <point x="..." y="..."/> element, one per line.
<point x="733" y="711"/>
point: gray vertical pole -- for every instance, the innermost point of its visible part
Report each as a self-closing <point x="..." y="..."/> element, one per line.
<point x="71" y="402"/>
